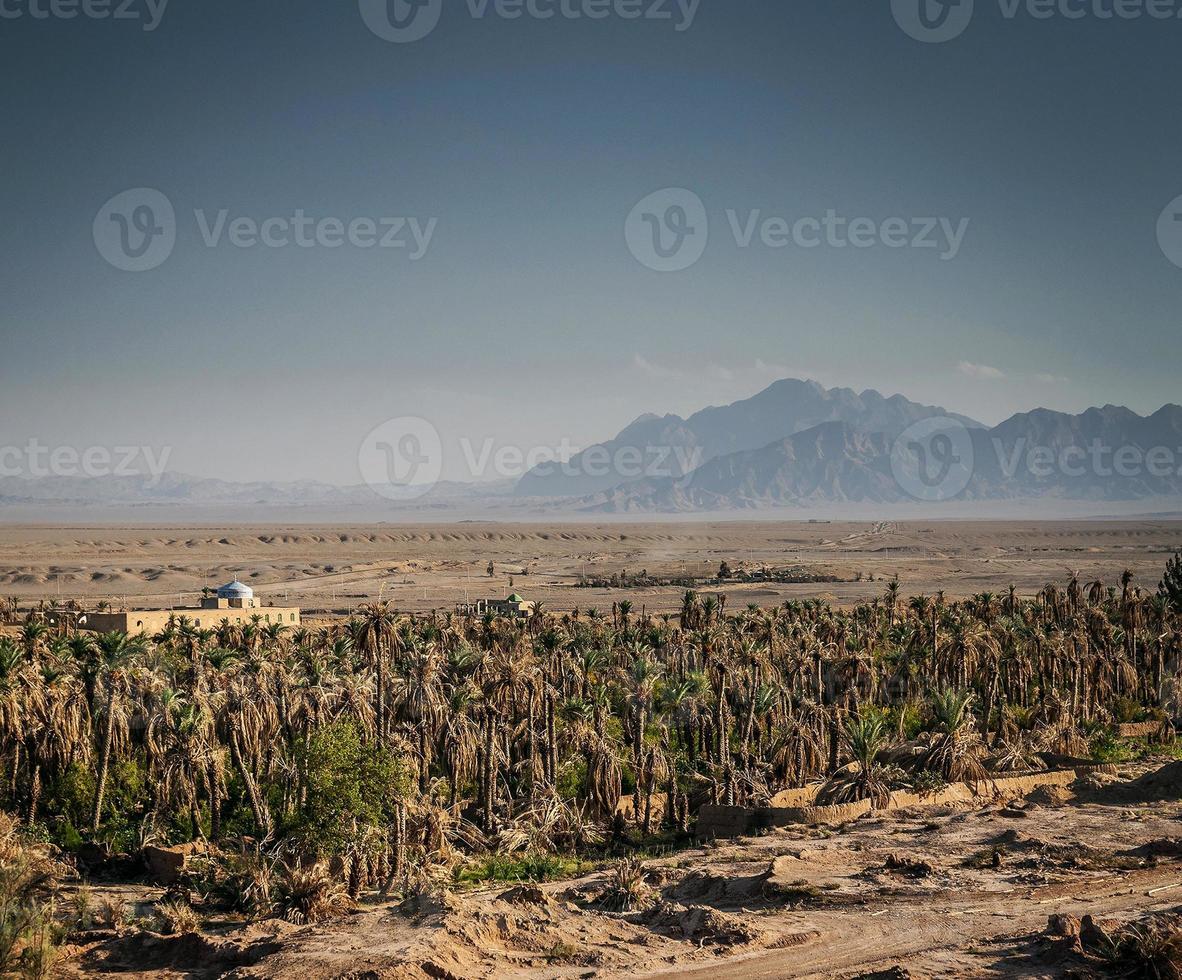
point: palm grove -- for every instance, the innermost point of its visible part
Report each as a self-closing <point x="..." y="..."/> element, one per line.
<point x="399" y="748"/>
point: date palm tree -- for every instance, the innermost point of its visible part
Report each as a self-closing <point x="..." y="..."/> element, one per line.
<point x="114" y="657"/>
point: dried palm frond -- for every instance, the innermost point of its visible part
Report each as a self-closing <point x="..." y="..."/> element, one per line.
<point x="1063" y="738"/>
<point x="28" y="885"/>
<point x="1015" y="753"/>
<point x="308" y="894"/>
<point x="626" y="890"/>
<point x="956" y="756"/>
<point x="1150" y="949"/>
<point x="548" y="825"/>
<point x="177" y="917"/>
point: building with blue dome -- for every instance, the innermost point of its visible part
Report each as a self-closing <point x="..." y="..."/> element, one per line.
<point x="234" y="603"/>
<point x="233" y="595"/>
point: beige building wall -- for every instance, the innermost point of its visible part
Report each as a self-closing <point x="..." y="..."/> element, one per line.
<point x="155" y="620"/>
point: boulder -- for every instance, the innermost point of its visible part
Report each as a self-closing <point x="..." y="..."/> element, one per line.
<point x="165" y="864"/>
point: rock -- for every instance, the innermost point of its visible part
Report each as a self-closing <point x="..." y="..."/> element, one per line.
<point x="912" y="867"/>
<point x="1092" y="936"/>
<point x="708" y="926"/>
<point x="1052" y="796"/>
<point x="165" y="864"/>
<point x="1063" y="925"/>
<point x="525" y="895"/>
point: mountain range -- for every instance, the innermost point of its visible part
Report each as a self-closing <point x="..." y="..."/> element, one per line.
<point x="781" y="410"/>
<point x="794" y="444"/>
<point x="1103" y="454"/>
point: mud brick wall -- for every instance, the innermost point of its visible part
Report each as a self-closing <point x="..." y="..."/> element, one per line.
<point x="737" y="821"/>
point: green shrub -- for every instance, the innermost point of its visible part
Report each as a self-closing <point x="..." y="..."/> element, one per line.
<point x="1125" y="710"/>
<point x="352" y="785"/>
<point x="530" y="867"/>
<point x="1107" y="746"/>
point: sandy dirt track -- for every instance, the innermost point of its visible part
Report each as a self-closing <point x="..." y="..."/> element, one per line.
<point x="424" y="567"/>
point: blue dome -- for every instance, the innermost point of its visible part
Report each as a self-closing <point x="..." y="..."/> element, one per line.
<point x="235" y="590"/>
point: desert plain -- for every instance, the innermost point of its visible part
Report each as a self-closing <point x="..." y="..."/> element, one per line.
<point x="419" y="567"/>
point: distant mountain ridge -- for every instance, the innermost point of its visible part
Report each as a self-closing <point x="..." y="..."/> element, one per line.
<point x="1102" y="454"/>
<point x="182" y="488"/>
<point x="826" y="446"/>
<point x="779" y="411"/>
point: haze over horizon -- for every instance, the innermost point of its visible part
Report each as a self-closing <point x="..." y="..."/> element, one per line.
<point x="528" y="142"/>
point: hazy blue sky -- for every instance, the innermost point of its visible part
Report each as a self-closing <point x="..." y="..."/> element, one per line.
<point x="528" y="319"/>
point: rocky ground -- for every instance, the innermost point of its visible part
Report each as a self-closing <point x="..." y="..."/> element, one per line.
<point x="951" y="891"/>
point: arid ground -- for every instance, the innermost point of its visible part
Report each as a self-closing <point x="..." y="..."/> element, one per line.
<point x="422" y="567"/>
<point x="936" y="891"/>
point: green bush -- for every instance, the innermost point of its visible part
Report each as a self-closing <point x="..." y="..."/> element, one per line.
<point x="535" y="867"/>
<point x="1107" y="746"/>
<point x="1125" y="710"/>
<point x="352" y="786"/>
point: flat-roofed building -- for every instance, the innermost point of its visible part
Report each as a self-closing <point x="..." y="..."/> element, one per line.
<point x="234" y="603"/>
<point x="514" y="606"/>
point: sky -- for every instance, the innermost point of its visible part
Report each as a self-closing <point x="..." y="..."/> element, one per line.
<point x="505" y="162"/>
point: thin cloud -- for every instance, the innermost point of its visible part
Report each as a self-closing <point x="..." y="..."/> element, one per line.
<point x="759" y="372"/>
<point x="643" y="364"/>
<point x="982" y="372"/>
<point x="772" y="370"/>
